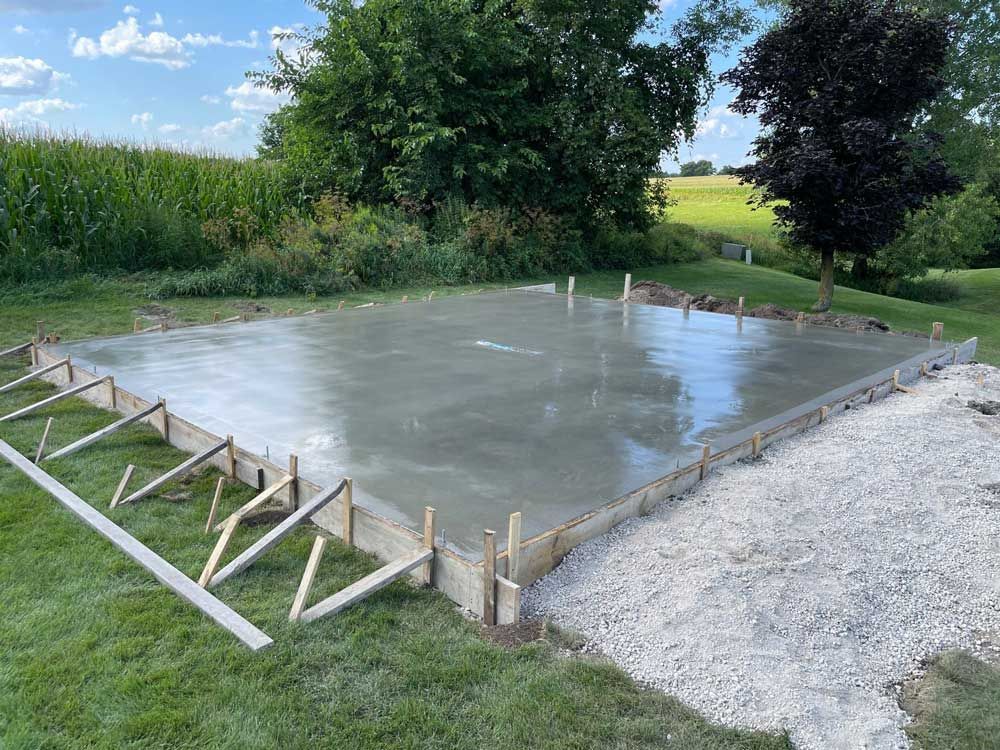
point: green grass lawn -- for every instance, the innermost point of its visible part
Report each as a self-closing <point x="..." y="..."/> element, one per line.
<point x="95" y="654"/>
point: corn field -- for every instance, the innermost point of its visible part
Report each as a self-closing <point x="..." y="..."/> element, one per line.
<point x="70" y="205"/>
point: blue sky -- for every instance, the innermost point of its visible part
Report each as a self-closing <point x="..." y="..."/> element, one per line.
<point x="174" y="71"/>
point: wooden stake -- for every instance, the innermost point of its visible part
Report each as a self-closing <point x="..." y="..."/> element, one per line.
<point x="290" y="312"/>
<point x="165" y="423"/>
<point x="34" y="353"/>
<point x="405" y="297"/>
<point x="215" y="503"/>
<point x="954" y="356"/>
<point x="113" y="397"/>
<point x="739" y="307"/>
<point x="871" y="395"/>
<point x="41" y="444"/>
<point x="102" y="433"/>
<point x="216" y="316"/>
<point x="163" y="326"/>
<point x="347" y="512"/>
<point x="258" y="500"/>
<point x="137" y="325"/>
<point x="230" y="457"/>
<point x="923" y="369"/>
<point x="513" y="546"/>
<point x="937" y="331"/>
<point x="305" y="585"/>
<point x="427" y="572"/>
<point x="824" y="413"/>
<point x="755" y="448"/>
<point x="69" y="369"/>
<point x="430" y="296"/>
<point x="293" y="488"/>
<point x="800" y="318"/>
<point x="32" y="376"/>
<point x="687" y="305"/>
<point x="217" y="552"/>
<point x="489" y="577"/>
<point x="122" y="485"/>
<point x="895" y="380"/>
<point x="572" y="286"/>
<point x="706" y="455"/>
<point x="628" y="287"/>
<point x="40" y="330"/>
<point x="340" y="305"/>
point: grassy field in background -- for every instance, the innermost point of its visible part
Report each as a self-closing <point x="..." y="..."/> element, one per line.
<point x="719" y="204"/>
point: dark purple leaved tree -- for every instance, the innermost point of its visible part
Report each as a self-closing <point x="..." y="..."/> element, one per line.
<point x="838" y="85"/>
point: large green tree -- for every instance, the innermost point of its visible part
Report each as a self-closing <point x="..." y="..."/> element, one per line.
<point x="565" y="105"/>
<point x="838" y="86"/>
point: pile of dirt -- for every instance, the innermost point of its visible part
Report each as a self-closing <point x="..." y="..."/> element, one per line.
<point x="655" y="293"/>
<point x="989" y="408"/>
<point x="155" y="312"/>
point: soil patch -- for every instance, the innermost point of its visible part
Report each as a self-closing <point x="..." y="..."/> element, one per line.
<point x="155" y="312"/>
<point x="512" y="636"/>
<point x="252" y="307"/>
<point x="655" y="293"/>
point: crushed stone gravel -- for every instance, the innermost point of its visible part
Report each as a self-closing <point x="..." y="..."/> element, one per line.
<point x="798" y="591"/>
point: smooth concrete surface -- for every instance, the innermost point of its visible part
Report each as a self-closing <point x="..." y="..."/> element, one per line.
<point x="483" y="405"/>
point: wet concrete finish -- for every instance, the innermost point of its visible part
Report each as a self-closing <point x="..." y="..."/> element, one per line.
<point x="483" y="405"/>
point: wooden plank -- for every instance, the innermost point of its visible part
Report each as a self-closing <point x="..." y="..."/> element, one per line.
<point x="218" y="550"/>
<point x="165" y="424"/>
<point x="215" y="503"/>
<point x="41" y="443"/>
<point x="489" y="577"/>
<point x="293" y="488"/>
<point x="368" y="585"/>
<point x="34" y="375"/>
<point x="628" y="287"/>
<point x="755" y="445"/>
<point x="53" y="399"/>
<point x="259" y="500"/>
<point x="102" y="433"/>
<point x="174" y="473"/>
<point x="230" y="457"/>
<point x="120" y="490"/>
<point x="430" y="532"/>
<point x="275" y="535"/>
<point x="163" y="571"/>
<point x="513" y="545"/>
<point x="308" y="576"/>
<point x="19" y="349"/>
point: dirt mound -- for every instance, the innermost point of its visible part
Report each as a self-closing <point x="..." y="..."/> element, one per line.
<point x="655" y="293"/>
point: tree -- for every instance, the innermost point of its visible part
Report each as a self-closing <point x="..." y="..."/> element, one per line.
<point x="699" y="168"/>
<point x="837" y="85"/>
<point x="565" y="106"/>
<point x="728" y="169"/>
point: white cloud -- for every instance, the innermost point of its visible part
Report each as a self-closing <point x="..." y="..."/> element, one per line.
<point x="289" y="46"/>
<point x="249" y="98"/>
<point x="125" y="40"/>
<point x="142" y="119"/>
<point x="209" y="40"/>
<point x="226" y="129"/>
<point x="21" y="30"/>
<point x="130" y="10"/>
<point x="22" y="75"/>
<point x="157" y="20"/>
<point x="27" y="112"/>
<point x="169" y="128"/>
<point x="210" y="99"/>
<point x="714" y="156"/>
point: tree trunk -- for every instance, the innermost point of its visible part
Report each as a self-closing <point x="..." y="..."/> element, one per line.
<point x="825" y="283"/>
<point x="860" y="268"/>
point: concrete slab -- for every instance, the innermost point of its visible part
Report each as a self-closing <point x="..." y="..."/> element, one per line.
<point x="487" y="404"/>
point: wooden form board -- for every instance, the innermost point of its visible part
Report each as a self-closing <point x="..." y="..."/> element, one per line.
<point x="163" y="571"/>
<point x="455" y="576"/>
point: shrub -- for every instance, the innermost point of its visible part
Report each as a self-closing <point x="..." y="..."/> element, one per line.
<point x="930" y="289"/>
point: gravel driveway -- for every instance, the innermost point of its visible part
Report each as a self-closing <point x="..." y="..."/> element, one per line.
<point x="799" y="590"/>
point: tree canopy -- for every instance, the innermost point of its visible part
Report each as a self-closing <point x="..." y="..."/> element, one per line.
<point x="564" y="105"/>
<point x="697" y="168"/>
<point x="837" y="86"/>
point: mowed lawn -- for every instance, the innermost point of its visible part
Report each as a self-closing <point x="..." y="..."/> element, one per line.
<point x="718" y="204"/>
<point x="95" y="654"/>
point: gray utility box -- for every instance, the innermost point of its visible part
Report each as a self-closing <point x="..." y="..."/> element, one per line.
<point x="736" y="252"/>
